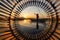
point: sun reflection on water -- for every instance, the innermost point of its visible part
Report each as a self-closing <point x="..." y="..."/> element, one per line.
<point x="25" y="22"/>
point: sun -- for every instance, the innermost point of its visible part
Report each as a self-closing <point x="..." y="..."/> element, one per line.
<point x="25" y="16"/>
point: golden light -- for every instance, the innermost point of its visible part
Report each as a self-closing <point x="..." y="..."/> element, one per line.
<point x="25" y="16"/>
<point x="25" y="21"/>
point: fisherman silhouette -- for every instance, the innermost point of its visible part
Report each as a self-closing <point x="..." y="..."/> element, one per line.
<point x="37" y="17"/>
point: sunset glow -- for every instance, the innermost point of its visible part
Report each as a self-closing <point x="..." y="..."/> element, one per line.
<point x="30" y="12"/>
<point x="25" y="16"/>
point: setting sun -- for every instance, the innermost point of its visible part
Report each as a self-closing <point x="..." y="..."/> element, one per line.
<point x="25" y="16"/>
